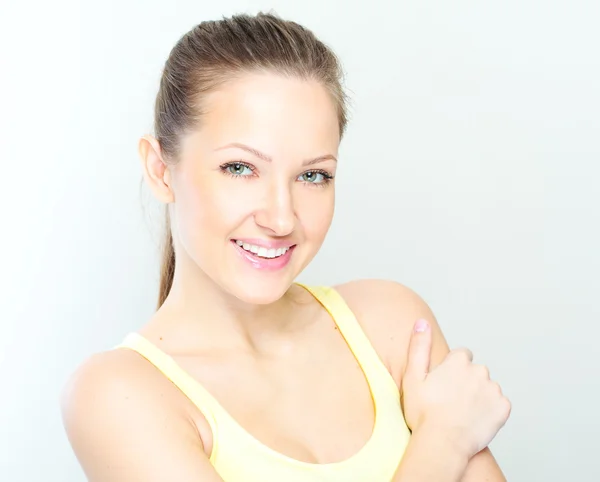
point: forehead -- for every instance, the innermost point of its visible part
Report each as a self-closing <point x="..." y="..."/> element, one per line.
<point x="280" y="115"/>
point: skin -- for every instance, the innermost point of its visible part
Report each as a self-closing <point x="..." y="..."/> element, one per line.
<point x="229" y="325"/>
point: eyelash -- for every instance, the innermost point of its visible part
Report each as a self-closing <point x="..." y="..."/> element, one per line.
<point x="327" y="177"/>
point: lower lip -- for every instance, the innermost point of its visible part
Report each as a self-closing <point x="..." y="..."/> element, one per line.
<point x="265" y="264"/>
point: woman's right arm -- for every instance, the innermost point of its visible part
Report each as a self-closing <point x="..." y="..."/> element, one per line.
<point x="123" y="431"/>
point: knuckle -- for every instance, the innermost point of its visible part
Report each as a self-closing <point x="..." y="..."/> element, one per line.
<point x="496" y="388"/>
<point x="482" y="371"/>
<point x="463" y="354"/>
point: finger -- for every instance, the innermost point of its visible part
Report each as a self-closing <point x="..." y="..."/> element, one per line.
<point x="419" y="351"/>
<point x="483" y="371"/>
<point x="462" y="352"/>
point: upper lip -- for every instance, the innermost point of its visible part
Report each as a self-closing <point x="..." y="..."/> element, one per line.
<point x="263" y="243"/>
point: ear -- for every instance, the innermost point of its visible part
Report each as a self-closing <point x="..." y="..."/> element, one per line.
<point x="155" y="170"/>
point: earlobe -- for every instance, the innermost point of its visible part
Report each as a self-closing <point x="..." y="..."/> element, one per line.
<point x="155" y="170"/>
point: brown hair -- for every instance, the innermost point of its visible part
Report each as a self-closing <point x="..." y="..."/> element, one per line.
<point x="213" y="53"/>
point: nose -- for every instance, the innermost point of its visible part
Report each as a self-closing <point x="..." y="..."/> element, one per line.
<point x="277" y="215"/>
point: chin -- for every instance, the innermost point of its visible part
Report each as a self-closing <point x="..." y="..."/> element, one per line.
<point x="261" y="292"/>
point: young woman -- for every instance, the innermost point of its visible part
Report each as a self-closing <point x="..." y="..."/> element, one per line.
<point x="243" y="374"/>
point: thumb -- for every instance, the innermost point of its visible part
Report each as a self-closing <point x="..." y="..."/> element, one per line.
<point x="419" y="351"/>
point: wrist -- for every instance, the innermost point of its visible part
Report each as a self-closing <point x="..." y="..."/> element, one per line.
<point x="447" y="441"/>
<point x="431" y="457"/>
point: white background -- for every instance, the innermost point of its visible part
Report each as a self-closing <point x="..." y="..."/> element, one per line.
<point x="469" y="173"/>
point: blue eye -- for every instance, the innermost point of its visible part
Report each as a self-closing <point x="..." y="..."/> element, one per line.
<point x="315" y="177"/>
<point x="237" y="169"/>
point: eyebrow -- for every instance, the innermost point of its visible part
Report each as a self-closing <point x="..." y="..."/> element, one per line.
<point x="267" y="158"/>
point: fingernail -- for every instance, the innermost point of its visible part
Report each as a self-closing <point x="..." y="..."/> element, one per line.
<point x="421" y="325"/>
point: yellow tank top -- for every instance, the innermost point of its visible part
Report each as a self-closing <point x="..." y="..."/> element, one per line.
<point x="239" y="457"/>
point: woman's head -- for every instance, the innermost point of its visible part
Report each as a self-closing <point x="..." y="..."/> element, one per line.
<point x="248" y="121"/>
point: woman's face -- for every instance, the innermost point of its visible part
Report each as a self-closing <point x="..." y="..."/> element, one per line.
<point x="254" y="188"/>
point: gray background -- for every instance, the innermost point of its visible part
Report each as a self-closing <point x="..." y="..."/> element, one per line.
<point x="469" y="173"/>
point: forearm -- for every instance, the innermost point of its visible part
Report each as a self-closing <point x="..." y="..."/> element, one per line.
<point x="428" y="458"/>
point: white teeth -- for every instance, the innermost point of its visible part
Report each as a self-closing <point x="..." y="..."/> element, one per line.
<point x="262" y="252"/>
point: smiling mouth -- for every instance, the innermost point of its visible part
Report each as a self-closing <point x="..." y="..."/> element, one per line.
<point x="262" y="252"/>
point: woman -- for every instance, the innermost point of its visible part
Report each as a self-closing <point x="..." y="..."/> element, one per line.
<point x="243" y="374"/>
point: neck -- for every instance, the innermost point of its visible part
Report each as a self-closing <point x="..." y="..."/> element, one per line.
<point x="199" y="309"/>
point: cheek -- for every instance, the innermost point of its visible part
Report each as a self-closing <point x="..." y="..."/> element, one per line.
<point x="316" y="214"/>
<point x="205" y="211"/>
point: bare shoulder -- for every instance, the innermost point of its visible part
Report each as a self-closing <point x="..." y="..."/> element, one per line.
<point x="110" y="393"/>
<point x="109" y="381"/>
<point x="124" y="421"/>
<point x="387" y="311"/>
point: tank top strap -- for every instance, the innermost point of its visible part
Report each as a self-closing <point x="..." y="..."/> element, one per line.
<point x="189" y="386"/>
<point x="353" y="333"/>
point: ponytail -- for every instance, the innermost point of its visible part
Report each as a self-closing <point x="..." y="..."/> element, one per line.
<point x="167" y="268"/>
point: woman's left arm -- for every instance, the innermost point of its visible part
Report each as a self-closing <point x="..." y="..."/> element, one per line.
<point x="387" y="311"/>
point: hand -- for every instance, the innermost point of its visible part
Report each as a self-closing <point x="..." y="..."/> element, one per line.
<point x="456" y="400"/>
